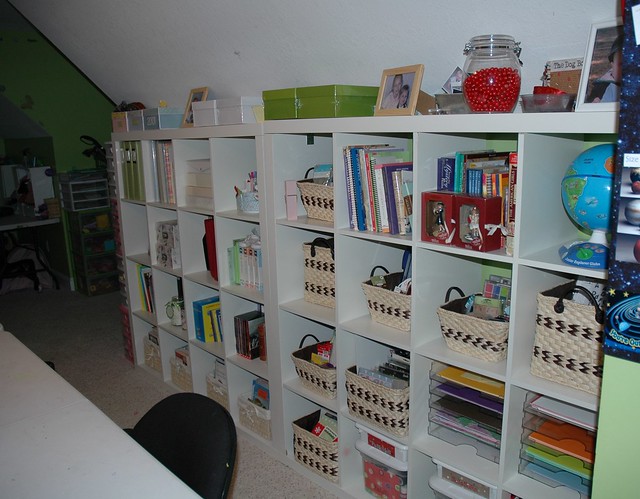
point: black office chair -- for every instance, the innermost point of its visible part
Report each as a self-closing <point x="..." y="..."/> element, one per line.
<point x="195" y="438"/>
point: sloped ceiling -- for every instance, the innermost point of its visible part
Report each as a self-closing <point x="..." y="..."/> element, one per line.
<point x="148" y="50"/>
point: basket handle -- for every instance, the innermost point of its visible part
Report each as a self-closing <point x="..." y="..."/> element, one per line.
<point x="306" y="174"/>
<point x="373" y="270"/>
<point x="309" y="335"/>
<point x="453" y="288"/>
<point x="321" y="241"/>
<point x="558" y="307"/>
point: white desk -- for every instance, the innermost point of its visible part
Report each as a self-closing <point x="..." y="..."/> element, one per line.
<point x="55" y="443"/>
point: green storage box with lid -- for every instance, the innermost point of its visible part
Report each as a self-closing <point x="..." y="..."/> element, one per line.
<point x="331" y="101"/>
<point x="281" y="104"/>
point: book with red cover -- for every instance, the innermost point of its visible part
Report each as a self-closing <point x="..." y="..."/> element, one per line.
<point x="210" y="248"/>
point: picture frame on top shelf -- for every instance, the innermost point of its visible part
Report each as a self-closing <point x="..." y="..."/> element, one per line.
<point x="601" y="76"/>
<point x="399" y="91"/>
<point x="196" y="95"/>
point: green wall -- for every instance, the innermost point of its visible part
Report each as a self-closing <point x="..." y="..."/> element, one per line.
<point x="53" y="93"/>
<point x="618" y="437"/>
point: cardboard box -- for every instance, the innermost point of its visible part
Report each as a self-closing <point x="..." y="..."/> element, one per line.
<point x="236" y="110"/>
<point x="204" y="113"/>
<point x="479" y="222"/>
<point x="330" y="101"/>
<point x="119" y="121"/>
<point x="157" y="118"/>
<point x="438" y="223"/>
<point x="134" y="120"/>
<point x="281" y="104"/>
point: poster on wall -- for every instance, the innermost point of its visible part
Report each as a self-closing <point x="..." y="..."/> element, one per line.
<point x="622" y="327"/>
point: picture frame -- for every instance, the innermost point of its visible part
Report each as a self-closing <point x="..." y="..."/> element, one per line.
<point x="399" y="91"/>
<point x="196" y="95"/>
<point x="599" y="88"/>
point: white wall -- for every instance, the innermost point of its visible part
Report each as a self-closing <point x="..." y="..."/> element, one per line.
<point x="149" y="50"/>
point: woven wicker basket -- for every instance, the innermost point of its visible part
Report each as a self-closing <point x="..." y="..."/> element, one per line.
<point x="152" y="355"/>
<point x="322" y="380"/>
<point x="319" y="272"/>
<point x="385" y="305"/>
<point x="569" y="336"/>
<point x="217" y="392"/>
<point x="317" y="199"/>
<point x="253" y="417"/>
<point x="386" y="408"/>
<point x="181" y="375"/>
<point x="317" y="454"/>
<point x="469" y="335"/>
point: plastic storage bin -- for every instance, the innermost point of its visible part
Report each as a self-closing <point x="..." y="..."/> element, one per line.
<point x="384" y="476"/>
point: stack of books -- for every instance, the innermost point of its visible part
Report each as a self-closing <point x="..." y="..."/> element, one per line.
<point x="165" y="184"/>
<point x="145" y="287"/>
<point x="379" y="188"/>
<point x="247" y="337"/>
<point x="207" y="320"/>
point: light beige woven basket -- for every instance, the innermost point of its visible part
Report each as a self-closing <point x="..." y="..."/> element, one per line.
<point x="469" y="335"/>
<point x="387" y="306"/>
<point x="319" y="272"/>
<point x="569" y="336"/>
<point x="255" y="418"/>
<point x="317" y="454"/>
<point x="386" y="408"/>
<point x="317" y="199"/>
<point x="181" y="375"/>
<point x="321" y="380"/>
<point x="217" y="391"/>
<point x="152" y="355"/>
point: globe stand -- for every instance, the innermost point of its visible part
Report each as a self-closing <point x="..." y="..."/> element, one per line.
<point x="593" y="254"/>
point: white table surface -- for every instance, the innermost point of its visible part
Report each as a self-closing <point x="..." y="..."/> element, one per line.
<point x="55" y="443"/>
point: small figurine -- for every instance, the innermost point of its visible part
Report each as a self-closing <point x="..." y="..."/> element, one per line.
<point x="473" y="223"/>
<point x="439" y="228"/>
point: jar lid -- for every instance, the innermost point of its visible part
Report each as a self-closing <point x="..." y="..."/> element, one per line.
<point x="491" y="42"/>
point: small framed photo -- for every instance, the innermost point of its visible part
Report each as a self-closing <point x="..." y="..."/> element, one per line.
<point x="196" y="95"/>
<point x="601" y="77"/>
<point x="399" y="90"/>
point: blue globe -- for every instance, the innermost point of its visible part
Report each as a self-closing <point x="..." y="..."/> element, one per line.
<point x="586" y="187"/>
<point x="586" y="195"/>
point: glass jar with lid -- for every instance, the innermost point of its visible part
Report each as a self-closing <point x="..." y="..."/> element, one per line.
<point x="491" y="74"/>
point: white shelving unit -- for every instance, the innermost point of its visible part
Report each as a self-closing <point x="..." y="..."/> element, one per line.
<point x="284" y="150"/>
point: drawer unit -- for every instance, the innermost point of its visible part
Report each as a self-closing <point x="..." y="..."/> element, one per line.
<point x="84" y="191"/>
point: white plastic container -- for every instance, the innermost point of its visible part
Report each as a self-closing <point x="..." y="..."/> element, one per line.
<point x="204" y="113"/>
<point x="383" y="443"/>
<point x="236" y="110"/>
<point x="384" y="476"/>
<point x="451" y="482"/>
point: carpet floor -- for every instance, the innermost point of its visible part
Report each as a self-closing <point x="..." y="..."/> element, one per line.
<point x="82" y="336"/>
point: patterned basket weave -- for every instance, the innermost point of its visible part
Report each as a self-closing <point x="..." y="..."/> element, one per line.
<point x="317" y="199"/>
<point x="386" y="408"/>
<point x="569" y="336"/>
<point x="469" y="335"/>
<point x="152" y="355"/>
<point x="181" y="375"/>
<point x="321" y="380"/>
<point x="317" y="454"/>
<point x="217" y="392"/>
<point x="253" y="417"/>
<point x="387" y="306"/>
<point x="319" y="272"/>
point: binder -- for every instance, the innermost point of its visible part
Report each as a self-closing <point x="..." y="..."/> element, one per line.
<point x="210" y="255"/>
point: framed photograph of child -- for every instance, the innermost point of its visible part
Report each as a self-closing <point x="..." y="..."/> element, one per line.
<point x="600" y="80"/>
<point x="196" y="95"/>
<point x="399" y="90"/>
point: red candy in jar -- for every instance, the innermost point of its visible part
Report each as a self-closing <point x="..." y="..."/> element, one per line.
<point x="491" y="81"/>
